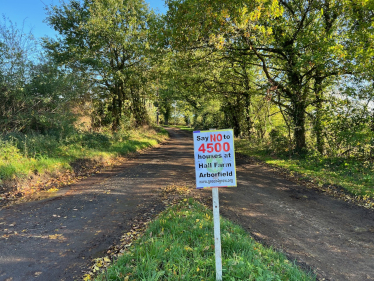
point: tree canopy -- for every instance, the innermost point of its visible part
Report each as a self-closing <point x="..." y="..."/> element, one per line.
<point x="296" y="73"/>
<point x="108" y="40"/>
<point x="298" y="49"/>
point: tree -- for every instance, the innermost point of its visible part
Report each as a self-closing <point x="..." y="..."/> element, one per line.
<point x="16" y="51"/>
<point x="35" y="93"/>
<point x="53" y="94"/>
<point x="203" y="76"/>
<point x="296" y="43"/>
<point x="108" y="40"/>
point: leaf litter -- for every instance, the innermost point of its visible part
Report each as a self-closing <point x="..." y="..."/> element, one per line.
<point x="169" y="195"/>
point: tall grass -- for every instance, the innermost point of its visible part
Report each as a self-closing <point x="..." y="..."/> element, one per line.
<point x="24" y="155"/>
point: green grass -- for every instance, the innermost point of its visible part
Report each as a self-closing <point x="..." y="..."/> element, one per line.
<point x="354" y="175"/>
<point x="179" y="245"/>
<point x="25" y="155"/>
<point x="182" y="127"/>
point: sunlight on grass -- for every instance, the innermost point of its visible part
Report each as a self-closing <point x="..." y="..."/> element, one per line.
<point x="179" y="245"/>
<point x="355" y="176"/>
<point x="182" y="127"/>
<point x="39" y="155"/>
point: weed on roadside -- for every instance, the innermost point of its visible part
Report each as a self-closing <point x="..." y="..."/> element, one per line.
<point x="179" y="245"/>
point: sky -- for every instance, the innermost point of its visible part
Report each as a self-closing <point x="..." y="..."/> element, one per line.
<point x="30" y="14"/>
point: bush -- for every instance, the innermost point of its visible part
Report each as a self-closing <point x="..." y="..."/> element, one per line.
<point x="8" y="151"/>
<point x="33" y="144"/>
<point x="95" y="140"/>
<point x="279" y="143"/>
<point x="208" y="121"/>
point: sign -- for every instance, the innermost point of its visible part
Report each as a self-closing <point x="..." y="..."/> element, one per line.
<point x="214" y="158"/>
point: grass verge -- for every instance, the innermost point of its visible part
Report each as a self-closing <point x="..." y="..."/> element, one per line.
<point x="183" y="127"/>
<point x="179" y="245"/>
<point x="356" y="177"/>
<point x="26" y="157"/>
<point x="350" y="179"/>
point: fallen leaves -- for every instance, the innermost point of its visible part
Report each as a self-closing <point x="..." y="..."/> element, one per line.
<point x="137" y="228"/>
<point x="58" y="237"/>
<point x="170" y="195"/>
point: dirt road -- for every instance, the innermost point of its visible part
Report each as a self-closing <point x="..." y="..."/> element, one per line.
<point x="54" y="239"/>
<point x="330" y="236"/>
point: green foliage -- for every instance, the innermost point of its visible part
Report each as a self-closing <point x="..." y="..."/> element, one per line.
<point x="35" y="93"/>
<point x="164" y="103"/>
<point x="22" y="155"/>
<point x="16" y="49"/>
<point x="179" y="245"/>
<point x="301" y="48"/>
<point x="95" y="140"/>
<point x="9" y="151"/>
<point x="352" y="174"/>
<point x="108" y="41"/>
<point x="208" y="117"/>
<point x="348" y="132"/>
<point x="279" y="143"/>
<point x="294" y="77"/>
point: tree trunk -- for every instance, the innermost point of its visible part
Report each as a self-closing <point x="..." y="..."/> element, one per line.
<point x="117" y="107"/>
<point x="115" y="122"/>
<point x="167" y="113"/>
<point x="232" y="112"/>
<point x="318" y="121"/>
<point x="318" y="126"/>
<point x="299" y="130"/>
<point x="247" y="101"/>
<point x="138" y="109"/>
<point x="248" y="120"/>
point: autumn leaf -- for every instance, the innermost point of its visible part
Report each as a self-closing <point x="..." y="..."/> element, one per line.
<point x="56" y="237"/>
<point x="87" y="277"/>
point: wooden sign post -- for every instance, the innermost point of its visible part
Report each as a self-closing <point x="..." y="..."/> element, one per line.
<point x="215" y="167"/>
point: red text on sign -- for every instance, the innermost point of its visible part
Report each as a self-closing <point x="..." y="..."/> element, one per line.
<point x="217" y="147"/>
<point x="214" y="137"/>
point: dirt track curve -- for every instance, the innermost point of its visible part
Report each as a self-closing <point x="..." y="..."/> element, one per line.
<point x="55" y="238"/>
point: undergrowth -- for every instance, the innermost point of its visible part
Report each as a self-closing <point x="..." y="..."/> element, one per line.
<point x="25" y="155"/>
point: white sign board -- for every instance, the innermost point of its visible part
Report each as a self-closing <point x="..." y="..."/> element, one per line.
<point x="214" y="158"/>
